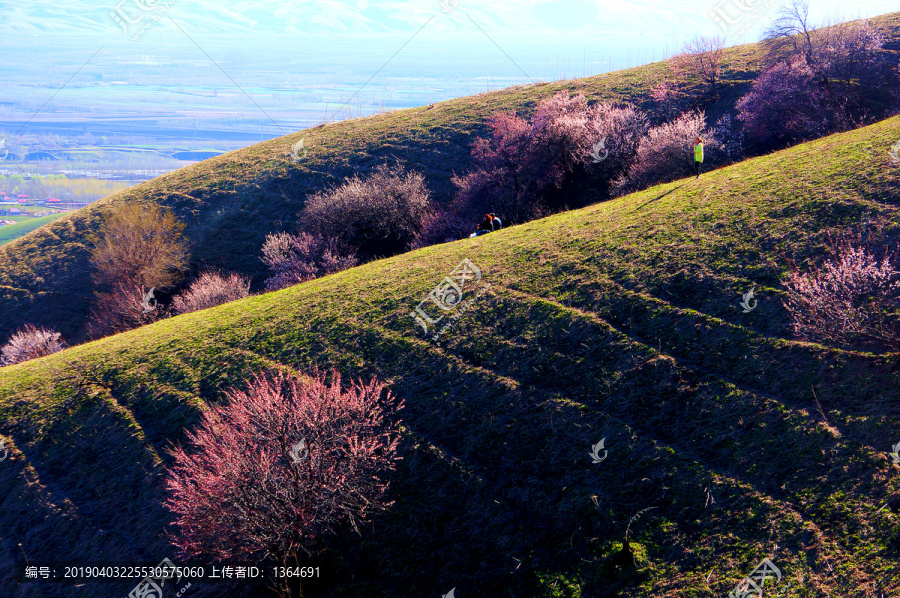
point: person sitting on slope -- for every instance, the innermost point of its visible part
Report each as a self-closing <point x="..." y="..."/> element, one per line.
<point x="486" y="226"/>
<point x="495" y="222"/>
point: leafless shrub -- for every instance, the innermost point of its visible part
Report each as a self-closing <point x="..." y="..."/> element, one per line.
<point x="30" y="342"/>
<point x="211" y="289"/>
<point x="378" y="216"/>
<point x="280" y="466"/>
<point x="851" y="300"/>
<point x="140" y="247"/>
<point x="298" y="258"/>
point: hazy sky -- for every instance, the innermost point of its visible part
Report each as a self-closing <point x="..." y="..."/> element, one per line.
<point x="425" y="50"/>
<point x="538" y="20"/>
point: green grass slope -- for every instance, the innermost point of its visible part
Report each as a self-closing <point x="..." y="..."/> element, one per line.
<point x="230" y="203"/>
<point x="619" y="321"/>
<point x="12" y="232"/>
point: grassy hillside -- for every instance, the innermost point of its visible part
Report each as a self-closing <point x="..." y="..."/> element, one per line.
<point x="618" y="322"/>
<point x="230" y="203"/>
<point x="11" y="232"/>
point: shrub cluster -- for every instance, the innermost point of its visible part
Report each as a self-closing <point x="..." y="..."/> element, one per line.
<point x="528" y="169"/>
<point x="818" y="80"/>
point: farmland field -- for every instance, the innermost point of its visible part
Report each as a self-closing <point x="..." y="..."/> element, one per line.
<point x="14" y="231"/>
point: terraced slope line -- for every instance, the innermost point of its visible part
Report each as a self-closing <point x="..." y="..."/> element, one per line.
<point x="230" y="203"/>
<point x="618" y="322"/>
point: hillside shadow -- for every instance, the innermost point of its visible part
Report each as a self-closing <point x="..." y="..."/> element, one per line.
<point x="658" y="198"/>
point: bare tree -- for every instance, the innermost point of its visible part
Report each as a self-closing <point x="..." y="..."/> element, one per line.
<point x="703" y="57"/>
<point x="139" y="244"/>
<point x="791" y="33"/>
<point x="140" y="248"/>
